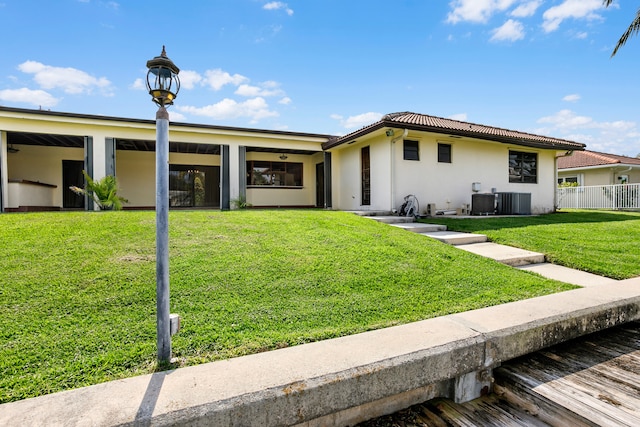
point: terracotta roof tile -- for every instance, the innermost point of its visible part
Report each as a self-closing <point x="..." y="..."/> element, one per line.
<point x="428" y="123"/>
<point x="586" y="158"/>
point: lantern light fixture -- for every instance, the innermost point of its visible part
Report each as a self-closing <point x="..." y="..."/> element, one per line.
<point x="163" y="83"/>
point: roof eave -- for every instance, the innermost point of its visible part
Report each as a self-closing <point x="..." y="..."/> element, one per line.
<point x="477" y="135"/>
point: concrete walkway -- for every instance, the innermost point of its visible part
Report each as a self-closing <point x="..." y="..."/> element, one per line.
<point x="515" y="257"/>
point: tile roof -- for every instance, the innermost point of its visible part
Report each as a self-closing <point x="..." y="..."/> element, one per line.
<point x="423" y="122"/>
<point x="580" y="159"/>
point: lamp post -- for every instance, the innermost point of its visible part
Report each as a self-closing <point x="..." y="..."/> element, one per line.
<point x="163" y="85"/>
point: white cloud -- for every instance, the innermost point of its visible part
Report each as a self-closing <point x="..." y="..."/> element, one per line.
<point x="567" y="119"/>
<point x="276" y="5"/>
<point x="572" y="97"/>
<point x="462" y="117"/>
<point x="476" y="10"/>
<point x="218" y="78"/>
<point x="509" y="31"/>
<point x="620" y="136"/>
<point x="174" y="116"/>
<point x="285" y="101"/>
<point x="70" y="80"/>
<point x="188" y="79"/>
<point x="28" y="96"/>
<point x="576" y="9"/>
<point x="358" y="121"/>
<point x="138" y="84"/>
<point x="254" y="109"/>
<point x="526" y="9"/>
<point x="266" y="89"/>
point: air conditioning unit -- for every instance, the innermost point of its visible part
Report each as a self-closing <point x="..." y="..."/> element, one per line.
<point x="483" y="204"/>
<point x="514" y="203"/>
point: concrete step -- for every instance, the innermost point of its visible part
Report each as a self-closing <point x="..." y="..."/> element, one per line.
<point x="567" y="275"/>
<point x="421" y="228"/>
<point x="371" y="213"/>
<point x="392" y="219"/>
<point x="456" y="238"/>
<point x="505" y="254"/>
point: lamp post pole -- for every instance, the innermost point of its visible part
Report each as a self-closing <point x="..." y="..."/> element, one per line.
<point x="163" y="85"/>
<point x="163" y="326"/>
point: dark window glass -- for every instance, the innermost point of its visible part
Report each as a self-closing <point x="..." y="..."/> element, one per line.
<point x="523" y="167"/>
<point x="194" y="186"/>
<point x="444" y="153"/>
<point x="365" y="170"/>
<point x="276" y="174"/>
<point x="411" y="150"/>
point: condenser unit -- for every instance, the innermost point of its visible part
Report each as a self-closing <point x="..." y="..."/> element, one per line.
<point x="514" y="203"/>
<point x="483" y="204"/>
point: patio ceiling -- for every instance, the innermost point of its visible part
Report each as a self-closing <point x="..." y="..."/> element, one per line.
<point x="74" y="141"/>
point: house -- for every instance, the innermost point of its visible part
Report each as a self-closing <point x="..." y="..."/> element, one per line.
<point x="43" y="153"/>
<point x="588" y="168"/>
<point x="441" y="161"/>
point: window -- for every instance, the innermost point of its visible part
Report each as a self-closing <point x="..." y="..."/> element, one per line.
<point x="365" y="172"/>
<point x="523" y="167"/>
<point x="275" y="174"/>
<point x="444" y="153"/>
<point x="568" y="179"/>
<point x="411" y="150"/>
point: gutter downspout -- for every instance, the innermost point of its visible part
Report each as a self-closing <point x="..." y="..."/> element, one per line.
<point x="555" y="182"/>
<point x="392" y="166"/>
<point x="629" y="169"/>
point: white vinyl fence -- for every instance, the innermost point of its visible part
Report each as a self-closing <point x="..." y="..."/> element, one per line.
<point x="622" y="196"/>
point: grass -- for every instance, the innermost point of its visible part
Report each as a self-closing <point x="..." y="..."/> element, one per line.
<point x="77" y="290"/>
<point x="604" y="243"/>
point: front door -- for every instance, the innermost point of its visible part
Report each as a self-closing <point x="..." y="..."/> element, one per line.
<point x="72" y="176"/>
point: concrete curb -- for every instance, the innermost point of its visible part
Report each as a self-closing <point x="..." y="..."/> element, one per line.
<point x="340" y="381"/>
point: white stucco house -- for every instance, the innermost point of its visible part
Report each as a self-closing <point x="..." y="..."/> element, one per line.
<point x="588" y="168"/>
<point x="442" y="162"/>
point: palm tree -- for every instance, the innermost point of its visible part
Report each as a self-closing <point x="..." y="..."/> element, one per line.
<point x="103" y="192"/>
<point x="633" y="29"/>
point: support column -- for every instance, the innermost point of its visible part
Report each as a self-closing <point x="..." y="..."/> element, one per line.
<point x="110" y="156"/>
<point x="4" y="178"/>
<point x="88" y="168"/>
<point x="242" y="173"/>
<point x="327" y="181"/>
<point x="225" y="185"/>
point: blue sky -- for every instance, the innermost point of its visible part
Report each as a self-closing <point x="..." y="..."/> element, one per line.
<point x="333" y="66"/>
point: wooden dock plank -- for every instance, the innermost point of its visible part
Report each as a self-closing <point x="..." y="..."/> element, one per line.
<point x="597" y="377"/>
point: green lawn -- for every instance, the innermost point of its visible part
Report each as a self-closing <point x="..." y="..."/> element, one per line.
<point x="604" y="243"/>
<point x="77" y="290"/>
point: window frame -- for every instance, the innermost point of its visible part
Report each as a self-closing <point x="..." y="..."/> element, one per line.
<point x="520" y="169"/>
<point x="365" y="176"/>
<point x="409" y="152"/>
<point x="273" y="169"/>
<point x="449" y="155"/>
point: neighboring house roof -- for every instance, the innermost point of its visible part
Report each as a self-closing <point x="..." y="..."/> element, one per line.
<point x="584" y="159"/>
<point x="423" y="122"/>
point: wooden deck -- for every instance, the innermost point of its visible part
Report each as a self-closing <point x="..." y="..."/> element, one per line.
<point x="591" y="381"/>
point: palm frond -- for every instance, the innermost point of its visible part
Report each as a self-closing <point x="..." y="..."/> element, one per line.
<point x="633" y="29"/>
